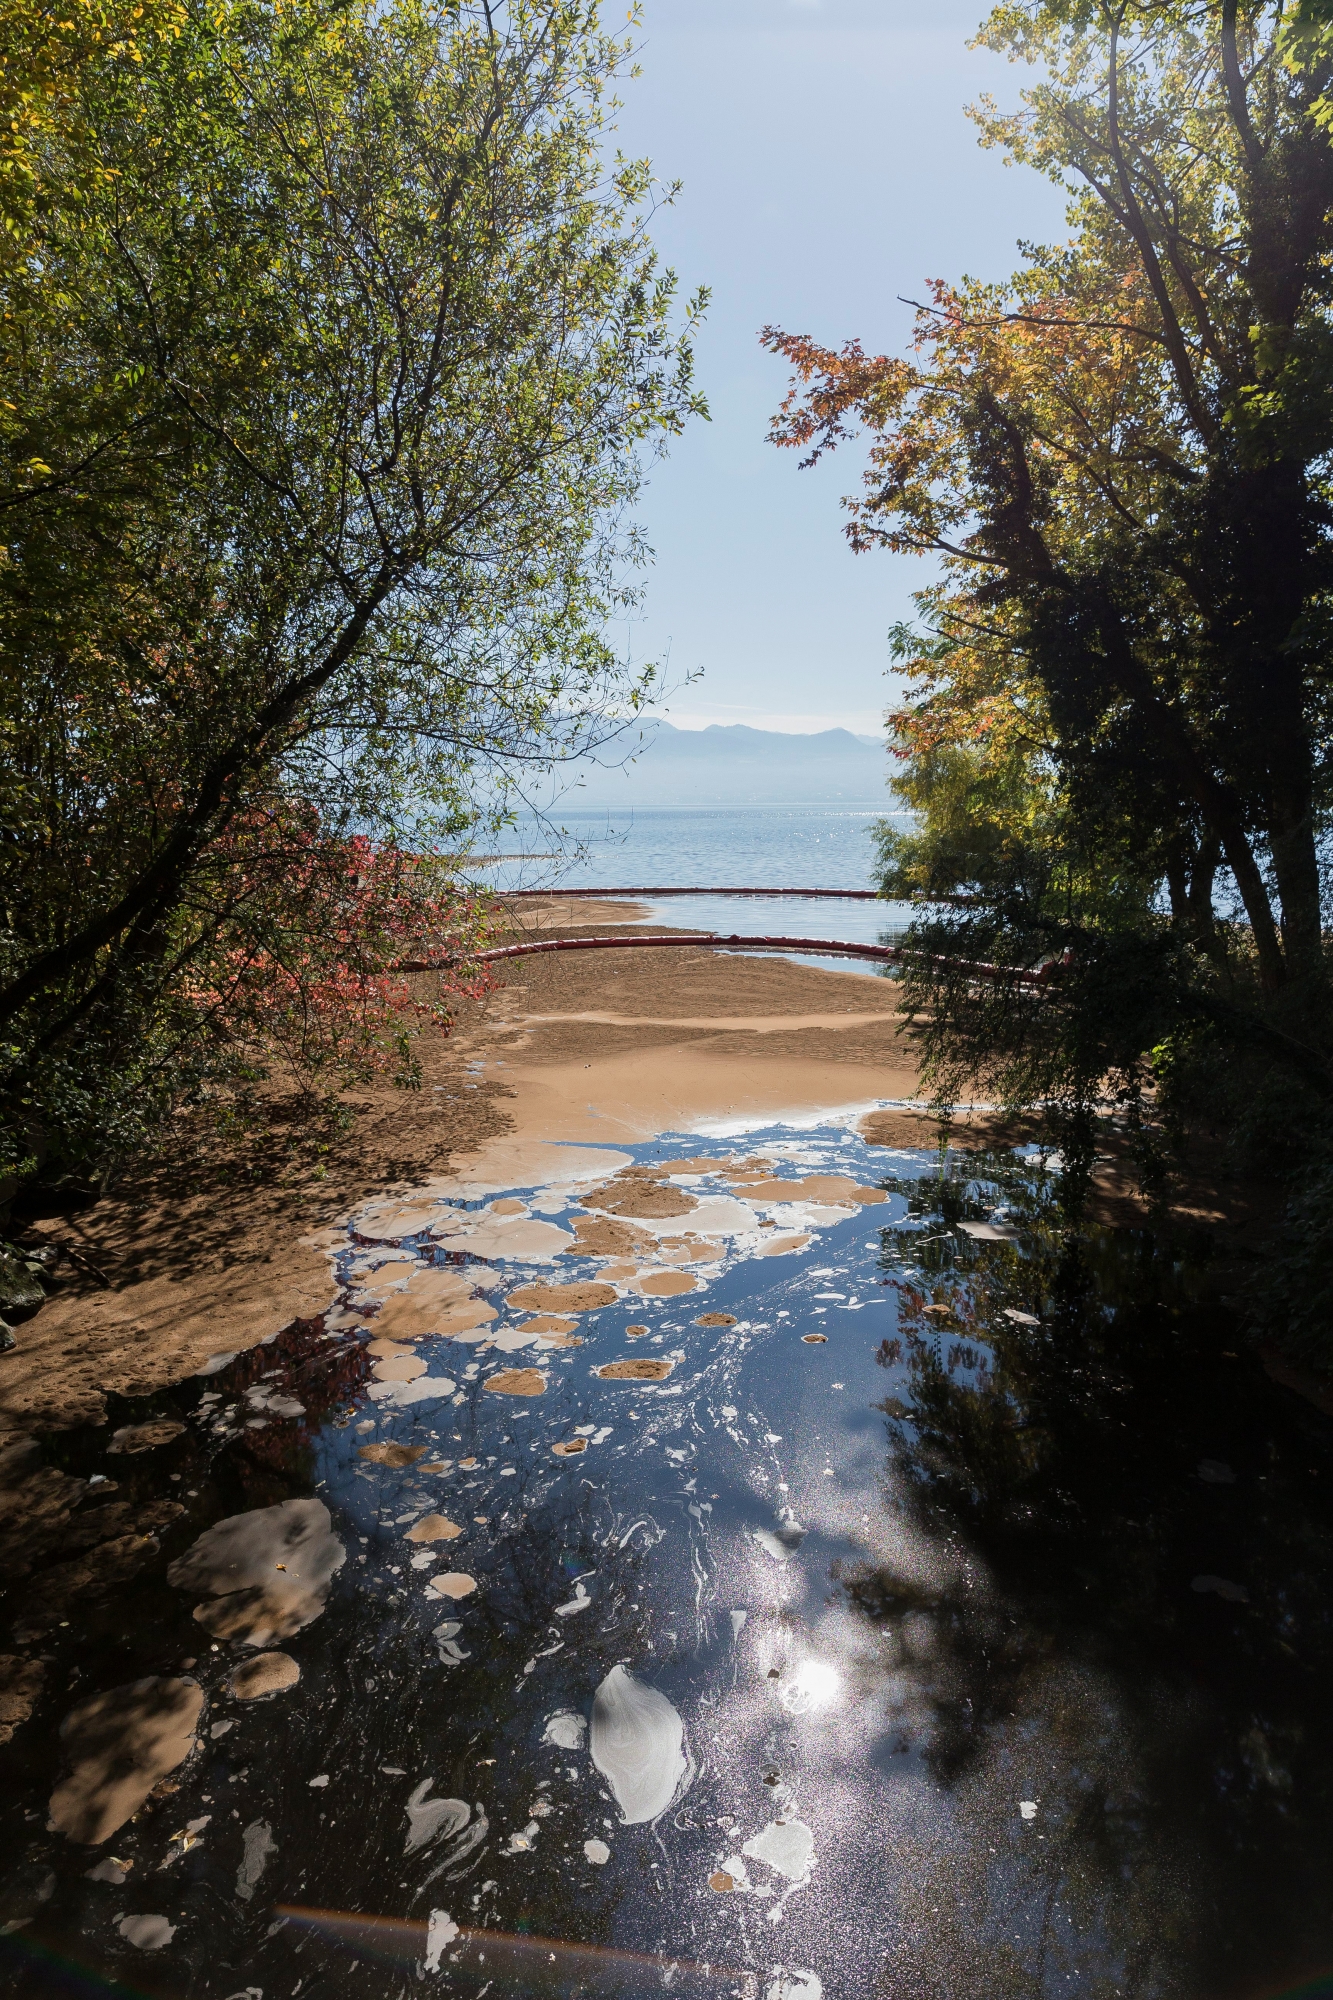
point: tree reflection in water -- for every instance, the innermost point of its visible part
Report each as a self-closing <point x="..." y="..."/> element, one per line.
<point x="1077" y="1426"/>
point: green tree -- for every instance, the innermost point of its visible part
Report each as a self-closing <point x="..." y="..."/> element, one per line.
<point x="1119" y="461"/>
<point x="324" y="408"/>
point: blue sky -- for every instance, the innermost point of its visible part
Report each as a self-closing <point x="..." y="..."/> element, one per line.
<point x="828" y="167"/>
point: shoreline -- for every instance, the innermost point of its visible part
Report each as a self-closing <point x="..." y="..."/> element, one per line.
<point x="215" y="1249"/>
<point x="201" y="1255"/>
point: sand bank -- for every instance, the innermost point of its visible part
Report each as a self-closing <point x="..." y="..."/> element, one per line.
<point x="210" y="1252"/>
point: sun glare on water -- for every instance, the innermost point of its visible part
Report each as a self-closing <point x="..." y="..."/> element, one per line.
<point x="815" y="1685"/>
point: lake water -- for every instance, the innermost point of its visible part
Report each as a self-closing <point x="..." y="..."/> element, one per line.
<point x="805" y="847"/>
<point x="801" y="847"/>
<point x="939" y="1605"/>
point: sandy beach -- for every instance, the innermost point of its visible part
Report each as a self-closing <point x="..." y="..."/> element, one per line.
<point x="200" y="1254"/>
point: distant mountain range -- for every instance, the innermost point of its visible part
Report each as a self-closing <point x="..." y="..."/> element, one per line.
<point x="728" y="764"/>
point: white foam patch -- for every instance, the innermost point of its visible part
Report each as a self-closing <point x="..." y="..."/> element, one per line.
<point x="517" y="1238"/>
<point x="580" y="1601"/>
<point x="146" y="1933"/>
<point x="505" y="1165"/>
<point x="716" y="1215"/>
<point x="565" y="1730"/>
<point x="844" y="1115"/>
<point x="400" y="1395"/>
<point x="432" y="1819"/>
<point x="257" y="1847"/>
<point x="786" y="1846"/>
<point x="638" y="1745"/>
<point x="793" y="1983"/>
<point x="440" y="1932"/>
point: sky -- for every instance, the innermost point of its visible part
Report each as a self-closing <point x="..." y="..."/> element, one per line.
<point x="828" y="168"/>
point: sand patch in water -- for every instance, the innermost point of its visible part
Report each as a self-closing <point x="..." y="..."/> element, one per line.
<point x="145" y="1437"/>
<point x="570" y="1448"/>
<point x="530" y="1162"/>
<point x="399" y="1368"/>
<point x="635" y="1371"/>
<point x="522" y="1238"/>
<point x="454" y="1583"/>
<point x="261" y="1615"/>
<point x="837" y="1188"/>
<point x="433" y="1301"/>
<point x="716" y="1319"/>
<point x="265" y="1674"/>
<point x="517" y="1382"/>
<point x="394" y="1224"/>
<point x="637" y="1194"/>
<point x="272" y="1569"/>
<point x="396" y="1455"/>
<point x="603" y="1236"/>
<point x="563" y="1299"/>
<point x="120" y="1744"/>
<point x="665" y="1284"/>
<point x="434" y="1528"/>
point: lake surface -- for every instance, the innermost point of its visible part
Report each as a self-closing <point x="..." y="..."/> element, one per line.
<point x="752" y="847"/>
<point x="952" y="1617"/>
<point x="802" y="847"/>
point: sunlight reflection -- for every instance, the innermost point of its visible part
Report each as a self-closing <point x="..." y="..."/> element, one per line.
<point x="815" y="1685"/>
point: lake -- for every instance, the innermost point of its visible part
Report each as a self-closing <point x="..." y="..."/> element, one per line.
<point x="807" y="847"/>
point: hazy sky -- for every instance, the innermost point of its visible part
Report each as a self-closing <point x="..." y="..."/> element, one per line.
<point x="828" y="167"/>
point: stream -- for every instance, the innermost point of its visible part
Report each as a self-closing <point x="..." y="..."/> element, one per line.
<point x="769" y="1566"/>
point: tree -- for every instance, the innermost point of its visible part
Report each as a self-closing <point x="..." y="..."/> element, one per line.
<point x="44" y="55"/>
<point x="1119" y="461"/>
<point x="324" y="411"/>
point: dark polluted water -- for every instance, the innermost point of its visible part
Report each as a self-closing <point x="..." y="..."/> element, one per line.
<point x="931" y="1602"/>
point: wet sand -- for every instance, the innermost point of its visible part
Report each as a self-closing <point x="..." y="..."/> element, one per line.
<point x="215" y="1249"/>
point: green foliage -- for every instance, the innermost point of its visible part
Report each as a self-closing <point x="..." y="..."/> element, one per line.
<point x="1118" y="734"/>
<point x="319" y="423"/>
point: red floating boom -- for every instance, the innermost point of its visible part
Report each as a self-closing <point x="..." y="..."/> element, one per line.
<point x="819" y="947"/>
<point x="837" y="895"/>
<point x="710" y="941"/>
